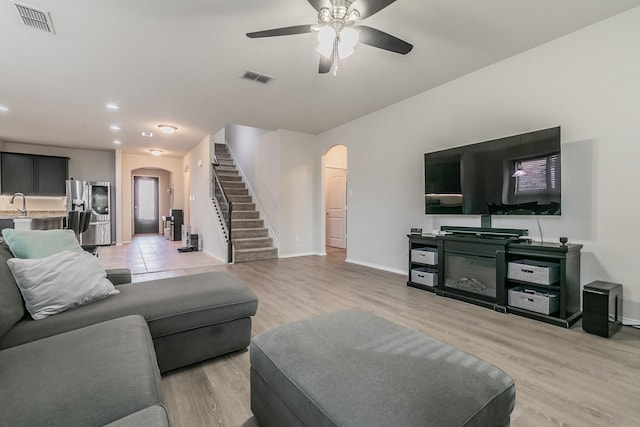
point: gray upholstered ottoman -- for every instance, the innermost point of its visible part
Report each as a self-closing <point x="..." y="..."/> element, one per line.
<point x="350" y="368"/>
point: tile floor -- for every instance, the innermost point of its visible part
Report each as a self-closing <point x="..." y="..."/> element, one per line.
<point x="152" y="253"/>
<point x="151" y="256"/>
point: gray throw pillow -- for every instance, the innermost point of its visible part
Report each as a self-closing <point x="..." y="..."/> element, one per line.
<point x="61" y="281"/>
<point x="11" y="304"/>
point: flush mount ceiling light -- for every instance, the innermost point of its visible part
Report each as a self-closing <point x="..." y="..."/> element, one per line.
<point x="147" y="134"/>
<point x="167" y="129"/>
<point x="117" y="142"/>
<point x="114" y="128"/>
<point x="113" y="107"/>
<point x="337" y="33"/>
<point x="3" y="108"/>
<point x="155" y="152"/>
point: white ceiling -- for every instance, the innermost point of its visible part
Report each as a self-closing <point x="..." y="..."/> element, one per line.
<point x="180" y="62"/>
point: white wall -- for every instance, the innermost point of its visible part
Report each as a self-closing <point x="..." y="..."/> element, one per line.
<point x="587" y="82"/>
<point x="298" y="206"/>
<point x="257" y="155"/>
<point x="280" y="167"/>
<point x="203" y="219"/>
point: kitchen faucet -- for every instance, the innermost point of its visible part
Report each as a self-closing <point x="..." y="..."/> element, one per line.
<point x="22" y="211"/>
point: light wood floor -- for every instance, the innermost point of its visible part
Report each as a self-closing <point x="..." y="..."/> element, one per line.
<point x="563" y="377"/>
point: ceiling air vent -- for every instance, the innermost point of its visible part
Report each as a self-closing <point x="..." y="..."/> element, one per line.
<point x="35" y="18"/>
<point x="257" y="77"/>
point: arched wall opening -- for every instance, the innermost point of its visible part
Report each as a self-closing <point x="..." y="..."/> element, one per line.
<point x="171" y="171"/>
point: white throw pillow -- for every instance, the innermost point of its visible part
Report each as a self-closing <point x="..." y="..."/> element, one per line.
<point x="60" y="281"/>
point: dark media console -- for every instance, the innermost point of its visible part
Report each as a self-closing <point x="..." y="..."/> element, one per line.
<point x="499" y="269"/>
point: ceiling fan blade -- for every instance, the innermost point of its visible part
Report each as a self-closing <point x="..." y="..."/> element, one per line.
<point x="319" y="4"/>
<point x="285" y="31"/>
<point x="326" y="64"/>
<point x="380" y="39"/>
<point x="369" y="7"/>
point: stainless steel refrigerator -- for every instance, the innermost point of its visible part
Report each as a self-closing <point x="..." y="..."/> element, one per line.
<point x="93" y="196"/>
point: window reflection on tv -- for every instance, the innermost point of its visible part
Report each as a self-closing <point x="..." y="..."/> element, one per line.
<point x="515" y="175"/>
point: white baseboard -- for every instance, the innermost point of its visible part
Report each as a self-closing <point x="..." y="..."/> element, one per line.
<point x="627" y="321"/>
<point x="214" y="256"/>
<point x="376" y="266"/>
<point x="300" y="254"/>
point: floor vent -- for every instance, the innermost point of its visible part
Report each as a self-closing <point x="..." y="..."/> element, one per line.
<point x="35" y="18"/>
<point x="257" y="77"/>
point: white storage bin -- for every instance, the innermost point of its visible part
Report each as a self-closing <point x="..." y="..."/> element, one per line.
<point x="426" y="255"/>
<point x="425" y="276"/>
<point x="534" y="271"/>
<point x="540" y="301"/>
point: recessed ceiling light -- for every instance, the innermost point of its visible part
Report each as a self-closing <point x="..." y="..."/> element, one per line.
<point x="147" y="134"/>
<point x="113" y="107"/>
<point x="155" y="152"/>
<point x="167" y="129"/>
<point x="114" y="128"/>
<point x="3" y="108"/>
<point x="117" y="142"/>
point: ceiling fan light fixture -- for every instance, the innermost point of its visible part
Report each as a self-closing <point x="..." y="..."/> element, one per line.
<point x="353" y="16"/>
<point x="344" y="51"/>
<point x="348" y="41"/>
<point x="324" y="15"/>
<point x="326" y="38"/>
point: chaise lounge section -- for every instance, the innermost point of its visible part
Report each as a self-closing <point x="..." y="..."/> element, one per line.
<point x="100" y="363"/>
<point x="191" y="318"/>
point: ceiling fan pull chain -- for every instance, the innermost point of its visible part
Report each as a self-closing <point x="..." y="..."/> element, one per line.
<point x="335" y="56"/>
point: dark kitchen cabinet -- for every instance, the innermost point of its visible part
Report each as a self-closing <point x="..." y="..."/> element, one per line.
<point x="34" y="175"/>
<point x="50" y="175"/>
<point x="17" y="173"/>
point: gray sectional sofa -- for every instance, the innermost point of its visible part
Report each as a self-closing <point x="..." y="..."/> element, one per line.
<point x="100" y="364"/>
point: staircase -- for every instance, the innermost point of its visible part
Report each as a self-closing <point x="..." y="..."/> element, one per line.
<point x="250" y="238"/>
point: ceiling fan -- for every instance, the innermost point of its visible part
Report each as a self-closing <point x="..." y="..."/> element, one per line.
<point x="337" y="33"/>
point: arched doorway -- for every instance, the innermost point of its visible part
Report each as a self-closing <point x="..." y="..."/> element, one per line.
<point x="335" y="194"/>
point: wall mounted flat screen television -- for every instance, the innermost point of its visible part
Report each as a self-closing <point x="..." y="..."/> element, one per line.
<point x="515" y="175"/>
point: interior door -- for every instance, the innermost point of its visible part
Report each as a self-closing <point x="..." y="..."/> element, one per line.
<point x="145" y="205"/>
<point x="336" y="206"/>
